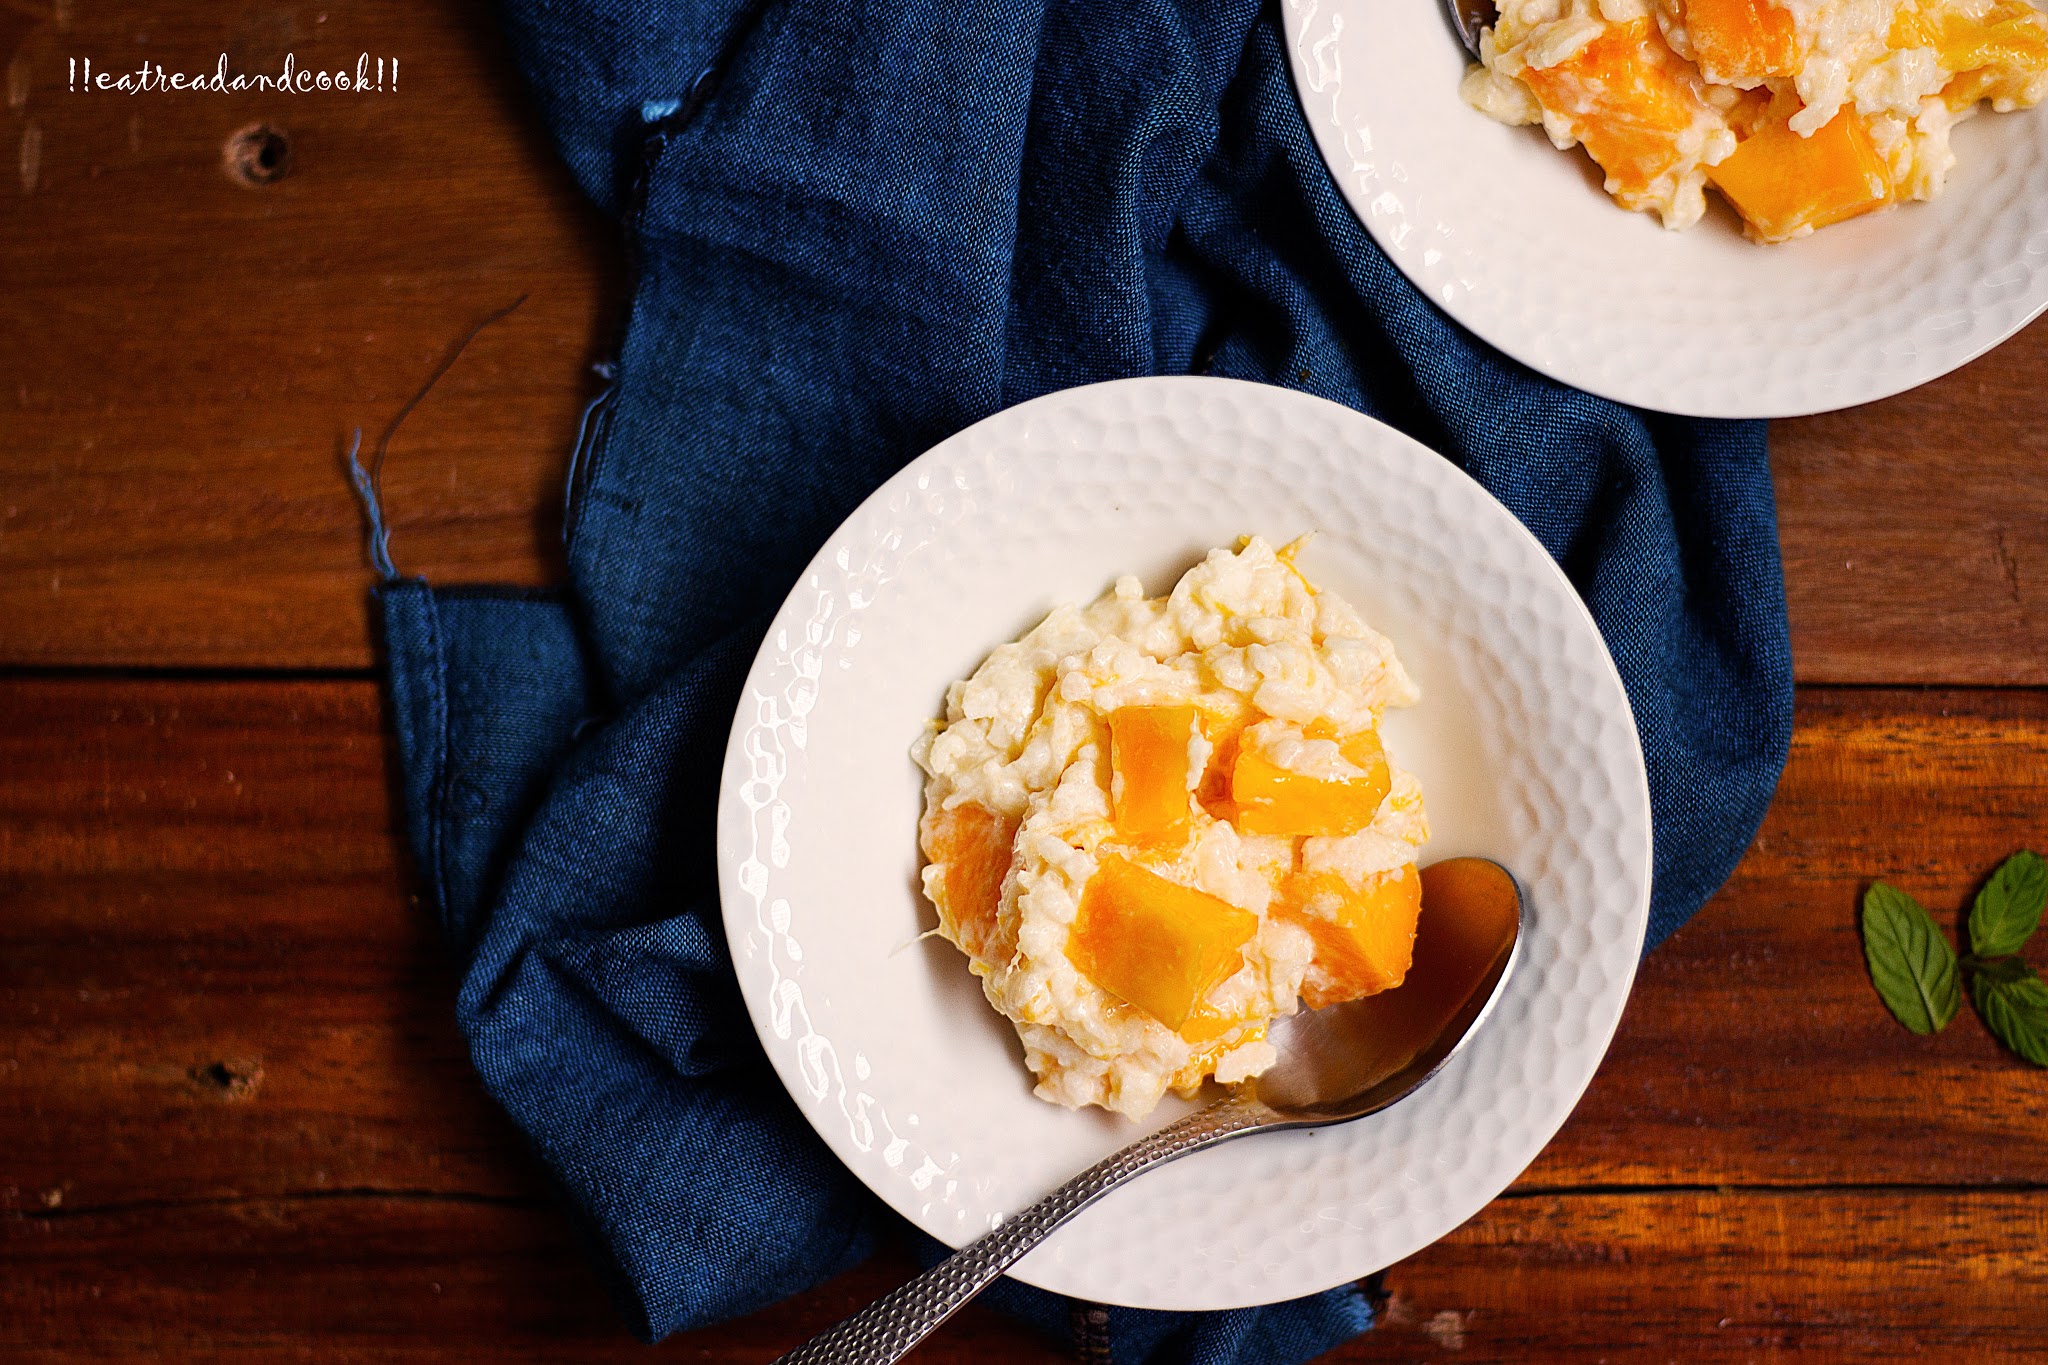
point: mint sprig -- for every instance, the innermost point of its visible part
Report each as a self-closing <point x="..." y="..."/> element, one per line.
<point x="1917" y="974"/>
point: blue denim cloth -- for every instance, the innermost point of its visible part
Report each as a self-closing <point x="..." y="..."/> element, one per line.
<point x="858" y="228"/>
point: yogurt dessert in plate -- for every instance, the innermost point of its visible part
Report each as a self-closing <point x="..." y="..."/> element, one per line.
<point x="1154" y="825"/>
<point x="1801" y="113"/>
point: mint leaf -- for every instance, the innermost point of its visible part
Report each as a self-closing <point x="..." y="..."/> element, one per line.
<point x="1911" y="964"/>
<point x="2014" y="1003"/>
<point x="2009" y="907"/>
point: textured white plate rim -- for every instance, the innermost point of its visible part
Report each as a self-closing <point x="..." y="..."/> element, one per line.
<point x="1937" y="293"/>
<point x="758" y="991"/>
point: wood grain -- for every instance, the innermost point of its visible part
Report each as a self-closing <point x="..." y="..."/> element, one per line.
<point x="226" y="1044"/>
<point x="1749" y="1276"/>
<point x="213" y="964"/>
<point x="373" y="1277"/>
<point x="182" y="359"/>
<point x="1754" y="1050"/>
<point x="1696" y="1275"/>
<point x="1915" y="530"/>
<point x="236" y="1117"/>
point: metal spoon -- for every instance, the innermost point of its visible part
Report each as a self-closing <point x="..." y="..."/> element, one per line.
<point x="1336" y="1064"/>
<point x="1468" y="17"/>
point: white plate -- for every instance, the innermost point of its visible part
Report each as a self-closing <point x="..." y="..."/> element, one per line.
<point x="1524" y="743"/>
<point x="1516" y="240"/>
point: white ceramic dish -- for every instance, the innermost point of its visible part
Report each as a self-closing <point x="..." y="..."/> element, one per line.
<point x="1524" y="743"/>
<point x="1515" y="240"/>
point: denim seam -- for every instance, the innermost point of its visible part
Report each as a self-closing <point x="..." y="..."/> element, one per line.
<point x="438" y="783"/>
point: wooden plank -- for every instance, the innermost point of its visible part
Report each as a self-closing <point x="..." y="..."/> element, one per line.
<point x="1754" y="1049"/>
<point x="1915" y="530"/>
<point x="216" y="995"/>
<point x="213" y="967"/>
<point x="1696" y="1275"/>
<point x="173" y="494"/>
<point x="378" y="1278"/>
<point x="182" y="357"/>
<point x="206" y="875"/>
<point x="1706" y="1276"/>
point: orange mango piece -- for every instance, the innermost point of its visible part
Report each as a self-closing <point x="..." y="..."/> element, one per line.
<point x="1782" y="183"/>
<point x="973" y="846"/>
<point x="1626" y="98"/>
<point x="1148" y="762"/>
<point x="1742" y="42"/>
<point x="1268" y="799"/>
<point x="1364" y="936"/>
<point x="1157" y="944"/>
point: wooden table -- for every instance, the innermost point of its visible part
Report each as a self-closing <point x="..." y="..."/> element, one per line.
<point x="235" y="1115"/>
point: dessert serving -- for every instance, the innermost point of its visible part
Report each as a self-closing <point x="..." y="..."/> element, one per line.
<point x="1154" y="825"/>
<point x="1801" y="113"/>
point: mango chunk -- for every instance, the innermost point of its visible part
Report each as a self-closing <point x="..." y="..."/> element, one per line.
<point x="971" y="846"/>
<point x="1268" y="799"/>
<point x="1148" y="763"/>
<point x="1913" y="27"/>
<point x="1783" y="184"/>
<point x="1626" y="98"/>
<point x="1208" y="1025"/>
<point x="1364" y="936"/>
<point x="1999" y="57"/>
<point x="1742" y="42"/>
<point x="1157" y="944"/>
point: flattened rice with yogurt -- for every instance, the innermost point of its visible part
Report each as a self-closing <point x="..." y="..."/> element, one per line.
<point x="1802" y="113"/>
<point x="1154" y="825"/>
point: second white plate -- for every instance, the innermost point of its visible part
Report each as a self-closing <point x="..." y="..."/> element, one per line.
<point x="1515" y="240"/>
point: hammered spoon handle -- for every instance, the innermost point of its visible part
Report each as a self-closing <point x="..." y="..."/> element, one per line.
<point x="886" y="1329"/>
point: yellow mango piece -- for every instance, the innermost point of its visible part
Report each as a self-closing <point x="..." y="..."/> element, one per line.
<point x="1913" y="27"/>
<point x="1782" y="183"/>
<point x="1157" y="944"/>
<point x="1626" y="97"/>
<point x="1268" y="799"/>
<point x="1996" y="57"/>
<point x="1148" y="763"/>
<point x="972" y="847"/>
<point x="1210" y="1035"/>
<point x="2011" y="34"/>
<point x="1206" y="1025"/>
<point x="1364" y="936"/>
<point x="1742" y="42"/>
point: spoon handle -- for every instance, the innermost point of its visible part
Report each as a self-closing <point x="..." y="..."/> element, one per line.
<point x="886" y="1329"/>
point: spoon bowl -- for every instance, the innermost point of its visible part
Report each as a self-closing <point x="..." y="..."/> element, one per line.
<point x="1467" y="18"/>
<point x="1336" y="1064"/>
<point x="1346" y="1061"/>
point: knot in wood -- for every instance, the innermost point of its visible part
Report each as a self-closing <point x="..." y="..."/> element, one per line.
<point x="257" y="155"/>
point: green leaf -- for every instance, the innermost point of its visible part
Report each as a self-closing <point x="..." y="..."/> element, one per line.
<point x="2009" y="907"/>
<point x="2014" y="1003"/>
<point x="1911" y="964"/>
